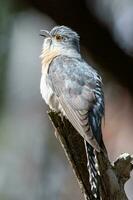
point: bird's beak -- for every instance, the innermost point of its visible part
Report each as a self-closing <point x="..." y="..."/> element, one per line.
<point x="45" y="33"/>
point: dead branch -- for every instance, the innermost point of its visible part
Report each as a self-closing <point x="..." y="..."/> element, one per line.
<point x="113" y="176"/>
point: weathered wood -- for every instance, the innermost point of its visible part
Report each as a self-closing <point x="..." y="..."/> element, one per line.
<point x="112" y="176"/>
<point x="73" y="146"/>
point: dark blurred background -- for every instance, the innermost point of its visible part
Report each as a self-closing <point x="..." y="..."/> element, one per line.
<point x="32" y="163"/>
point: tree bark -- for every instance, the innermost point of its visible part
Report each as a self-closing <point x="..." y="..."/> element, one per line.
<point x="112" y="176"/>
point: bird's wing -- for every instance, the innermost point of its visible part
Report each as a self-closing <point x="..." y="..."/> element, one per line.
<point x="74" y="83"/>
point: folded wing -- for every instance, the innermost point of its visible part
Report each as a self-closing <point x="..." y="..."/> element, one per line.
<point x="75" y="85"/>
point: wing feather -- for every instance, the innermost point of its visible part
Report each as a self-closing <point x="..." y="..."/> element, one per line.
<point x="73" y="81"/>
<point x="81" y="125"/>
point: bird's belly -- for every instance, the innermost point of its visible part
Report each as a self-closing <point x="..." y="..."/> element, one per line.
<point x="48" y="95"/>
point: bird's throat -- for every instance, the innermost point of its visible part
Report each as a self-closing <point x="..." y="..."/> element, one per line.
<point x="47" y="56"/>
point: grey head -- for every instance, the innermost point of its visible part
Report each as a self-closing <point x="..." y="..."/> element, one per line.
<point x="61" y="37"/>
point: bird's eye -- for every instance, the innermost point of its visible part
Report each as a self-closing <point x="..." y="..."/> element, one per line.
<point x="58" y="37"/>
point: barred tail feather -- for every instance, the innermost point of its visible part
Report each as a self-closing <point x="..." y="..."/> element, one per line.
<point x="92" y="166"/>
<point x="95" y="116"/>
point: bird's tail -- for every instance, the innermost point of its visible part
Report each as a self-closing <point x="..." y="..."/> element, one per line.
<point x="92" y="165"/>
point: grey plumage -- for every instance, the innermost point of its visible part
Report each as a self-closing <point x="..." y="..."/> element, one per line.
<point x="73" y="87"/>
<point x="74" y="83"/>
<point x="71" y="38"/>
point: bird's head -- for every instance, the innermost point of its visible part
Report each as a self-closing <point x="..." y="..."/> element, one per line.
<point x="61" y="38"/>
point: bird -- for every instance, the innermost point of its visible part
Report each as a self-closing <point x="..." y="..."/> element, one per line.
<point x="72" y="87"/>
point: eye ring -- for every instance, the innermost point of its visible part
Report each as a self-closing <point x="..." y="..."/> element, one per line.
<point x="58" y="37"/>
